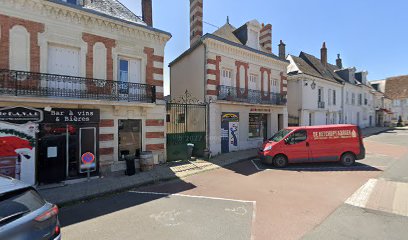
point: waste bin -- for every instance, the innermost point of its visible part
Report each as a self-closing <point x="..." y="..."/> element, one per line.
<point x="146" y="161"/>
<point x="130" y="165"/>
<point x="190" y="148"/>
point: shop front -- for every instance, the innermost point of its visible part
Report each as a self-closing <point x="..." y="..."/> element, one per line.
<point x="46" y="145"/>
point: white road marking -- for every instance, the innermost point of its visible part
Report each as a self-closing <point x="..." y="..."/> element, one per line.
<point x="361" y="196"/>
<point x="193" y="196"/>
<point x="317" y="168"/>
<point x="239" y="210"/>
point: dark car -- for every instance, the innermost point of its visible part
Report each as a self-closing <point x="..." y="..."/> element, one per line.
<point x="24" y="214"/>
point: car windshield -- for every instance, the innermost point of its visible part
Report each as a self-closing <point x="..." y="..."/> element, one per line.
<point x="14" y="205"/>
<point x="280" y="135"/>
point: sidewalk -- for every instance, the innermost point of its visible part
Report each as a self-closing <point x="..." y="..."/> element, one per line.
<point x="67" y="194"/>
<point x="374" y="130"/>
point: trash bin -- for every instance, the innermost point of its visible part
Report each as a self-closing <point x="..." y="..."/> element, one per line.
<point x="190" y="148"/>
<point x="146" y="161"/>
<point x="130" y="165"/>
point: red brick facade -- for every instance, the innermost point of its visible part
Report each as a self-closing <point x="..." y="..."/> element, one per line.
<point x="151" y="70"/>
<point x="240" y="64"/>
<point x="33" y="28"/>
<point x="215" y="72"/>
<point x="154" y="134"/>
<point x="154" y="147"/>
<point x="105" y="137"/>
<point x="106" y="123"/>
<point x="91" y="39"/>
<point x="282" y="85"/>
<point x="154" y="122"/>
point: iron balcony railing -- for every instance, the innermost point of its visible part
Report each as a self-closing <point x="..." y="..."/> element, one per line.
<point x="20" y="83"/>
<point x="229" y="93"/>
<point x="320" y="104"/>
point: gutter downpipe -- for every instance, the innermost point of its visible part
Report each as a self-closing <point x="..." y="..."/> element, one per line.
<point x="205" y="100"/>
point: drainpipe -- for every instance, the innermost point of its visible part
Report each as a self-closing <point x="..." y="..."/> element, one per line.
<point x="205" y="100"/>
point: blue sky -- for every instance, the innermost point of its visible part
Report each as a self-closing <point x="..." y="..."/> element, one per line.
<point x="371" y="35"/>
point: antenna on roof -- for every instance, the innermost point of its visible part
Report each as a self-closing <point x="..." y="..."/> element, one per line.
<point x="212" y="25"/>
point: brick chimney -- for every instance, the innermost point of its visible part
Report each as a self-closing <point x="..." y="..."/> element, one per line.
<point x="323" y="54"/>
<point x="282" y="50"/>
<point x="339" y="62"/>
<point x="265" y="37"/>
<point x="196" y="20"/>
<point x="147" y="14"/>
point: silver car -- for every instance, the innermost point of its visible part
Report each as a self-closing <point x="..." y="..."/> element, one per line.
<point x="24" y="214"/>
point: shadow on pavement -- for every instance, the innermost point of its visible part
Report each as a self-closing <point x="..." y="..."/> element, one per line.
<point x="316" y="167"/>
<point x="109" y="204"/>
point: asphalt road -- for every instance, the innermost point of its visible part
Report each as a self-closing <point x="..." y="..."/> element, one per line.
<point x="249" y="200"/>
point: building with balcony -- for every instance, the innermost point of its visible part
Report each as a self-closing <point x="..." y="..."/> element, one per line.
<point x="314" y="90"/>
<point x="81" y="83"/>
<point x="236" y="73"/>
<point x="321" y="93"/>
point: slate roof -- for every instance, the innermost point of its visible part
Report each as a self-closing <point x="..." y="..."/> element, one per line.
<point x="397" y="87"/>
<point x="226" y="32"/>
<point x="304" y="67"/>
<point x="114" y="8"/>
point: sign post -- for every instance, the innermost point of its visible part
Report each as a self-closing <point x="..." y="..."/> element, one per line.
<point x="88" y="159"/>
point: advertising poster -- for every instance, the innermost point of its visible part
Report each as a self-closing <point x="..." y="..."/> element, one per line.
<point x="17" y="151"/>
<point x="229" y="131"/>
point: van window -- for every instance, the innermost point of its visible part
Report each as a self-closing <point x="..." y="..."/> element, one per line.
<point x="280" y="135"/>
<point x="297" y="137"/>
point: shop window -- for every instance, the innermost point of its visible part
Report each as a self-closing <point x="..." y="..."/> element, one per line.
<point x="130" y="138"/>
<point x="257" y="125"/>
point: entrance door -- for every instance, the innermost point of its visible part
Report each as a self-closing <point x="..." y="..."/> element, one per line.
<point x="280" y="121"/>
<point x="297" y="147"/>
<point x="52" y="158"/>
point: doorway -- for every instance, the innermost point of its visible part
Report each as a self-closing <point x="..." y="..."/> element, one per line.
<point x="60" y="149"/>
<point x="280" y="121"/>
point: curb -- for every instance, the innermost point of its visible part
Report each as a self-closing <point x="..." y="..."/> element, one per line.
<point x="381" y="131"/>
<point x="62" y="204"/>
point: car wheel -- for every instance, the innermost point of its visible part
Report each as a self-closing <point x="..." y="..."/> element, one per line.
<point x="280" y="161"/>
<point x="348" y="159"/>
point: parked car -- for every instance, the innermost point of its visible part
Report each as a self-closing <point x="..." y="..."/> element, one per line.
<point x="24" y="214"/>
<point x="328" y="143"/>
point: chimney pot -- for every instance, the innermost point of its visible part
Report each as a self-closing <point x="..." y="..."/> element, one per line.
<point x="196" y="20"/>
<point x="147" y="12"/>
<point x="282" y="50"/>
<point x="265" y="37"/>
<point x="323" y="54"/>
<point x="339" y="62"/>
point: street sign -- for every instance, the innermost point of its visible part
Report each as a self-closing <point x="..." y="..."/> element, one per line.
<point x="88" y="158"/>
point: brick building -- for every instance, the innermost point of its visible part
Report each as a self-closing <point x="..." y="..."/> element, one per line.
<point x="236" y="73"/>
<point x="91" y="75"/>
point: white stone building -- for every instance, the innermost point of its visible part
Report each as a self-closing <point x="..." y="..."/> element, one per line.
<point x="321" y="93"/>
<point x="235" y="71"/>
<point x="396" y="88"/>
<point x="91" y="76"/>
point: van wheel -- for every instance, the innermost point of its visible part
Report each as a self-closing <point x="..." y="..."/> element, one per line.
<point x="280" y="161"/>
<point x="348" y="159"/>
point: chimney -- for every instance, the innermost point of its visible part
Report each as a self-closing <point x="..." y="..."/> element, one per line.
<point x="196" y="20"/>
<point x="265" y="37"/>
<point x="147" y="14"/>
<point x="323" y="54"/>
<point x="339" y="62"/>
<point x="282" y="50"/>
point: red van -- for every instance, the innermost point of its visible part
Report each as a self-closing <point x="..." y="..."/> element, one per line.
<point x="328" y="143"/>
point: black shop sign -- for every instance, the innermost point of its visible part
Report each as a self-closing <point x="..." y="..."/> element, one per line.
<point x="20" y="115"/>
<point x="62" y="115"/>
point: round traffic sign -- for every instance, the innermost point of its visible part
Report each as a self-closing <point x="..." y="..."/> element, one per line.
<point x="88" y="158"/>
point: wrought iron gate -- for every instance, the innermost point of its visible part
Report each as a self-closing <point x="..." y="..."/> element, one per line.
<point x="186" y="123"/>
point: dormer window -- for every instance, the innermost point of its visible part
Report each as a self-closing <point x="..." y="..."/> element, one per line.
<point x="253" y="39"/>
<point x="74" y="2"/>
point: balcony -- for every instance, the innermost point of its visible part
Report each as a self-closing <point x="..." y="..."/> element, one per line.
<point x="29" y="84"/>
<point x="320" y="104"/>
<point x="252" y="96"/>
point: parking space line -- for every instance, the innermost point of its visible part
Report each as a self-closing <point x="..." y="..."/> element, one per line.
<point x="194" y="196"/>
<point x="256" y="166"/>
